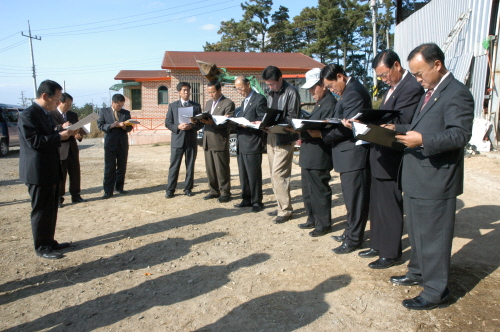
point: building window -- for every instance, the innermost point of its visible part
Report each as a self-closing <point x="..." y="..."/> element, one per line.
<point x="136" y="99"/>
<point x="162" y="95"/>
<point x="195" y="92"/>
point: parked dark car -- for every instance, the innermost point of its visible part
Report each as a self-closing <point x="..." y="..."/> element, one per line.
<point x="9" y="114"/>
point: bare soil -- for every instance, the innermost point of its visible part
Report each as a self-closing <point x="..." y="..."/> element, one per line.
<point x="146" y="263"/>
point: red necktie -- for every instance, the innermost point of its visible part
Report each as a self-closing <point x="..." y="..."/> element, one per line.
<point x="428" y="95"/>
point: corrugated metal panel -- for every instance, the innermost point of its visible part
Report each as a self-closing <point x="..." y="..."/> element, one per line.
<point x="478" y="80"/>
<point x="434" y="22"/>
<point x="460" y="66"/>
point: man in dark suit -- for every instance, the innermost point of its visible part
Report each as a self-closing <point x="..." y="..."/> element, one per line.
<point x="316" y="161"/>
<point x="386" y="200"/>
<point x="183" y="140"/>
<point x="112" y="122"/>
<point x="432" y="174"/>
<point x="216" y="144"/>
<point x="250" y="145"/>
<point x="69" y="153"/>
<point x="40" y="166"/>
<point x="350" y="158"/>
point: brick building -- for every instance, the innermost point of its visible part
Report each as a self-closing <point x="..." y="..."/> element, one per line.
<point x="148" y="92"/>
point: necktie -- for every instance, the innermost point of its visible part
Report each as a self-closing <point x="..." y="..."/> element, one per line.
<point x="64" y="117"/>
<point x="116" y="115"/>
<point x="391" y="90"/>
<point x="428" y="95"/>
<point x="246" y="103"/>
<point x="185" y="104"/>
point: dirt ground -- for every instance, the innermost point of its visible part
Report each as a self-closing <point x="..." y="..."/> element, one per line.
<point x="146" y="263"/>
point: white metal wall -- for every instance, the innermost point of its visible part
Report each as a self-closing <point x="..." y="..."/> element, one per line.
<point x="434" y="22"/>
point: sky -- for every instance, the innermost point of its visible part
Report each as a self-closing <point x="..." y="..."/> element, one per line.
<point x="84" y="44"/>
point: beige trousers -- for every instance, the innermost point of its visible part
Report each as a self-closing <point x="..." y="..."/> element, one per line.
<point x="280" y="168"/>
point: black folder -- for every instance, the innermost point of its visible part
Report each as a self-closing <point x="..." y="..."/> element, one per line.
<point x="382" y="136"/>
<point x="372" y="115"/>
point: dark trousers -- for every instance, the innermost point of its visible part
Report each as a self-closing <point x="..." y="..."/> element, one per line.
<point x="115" y="166"/>
<point x="386" y="217"/>
<point x="44" y="204"/>
<point x="218" y="172"/>
<point x="250" y="171"/>
<point x="317" y="196"/>
<point x="430" y="224"/>
<point x="356" y="192"/>
<point x="175" y="164"/>
<point x="71" y="167"/>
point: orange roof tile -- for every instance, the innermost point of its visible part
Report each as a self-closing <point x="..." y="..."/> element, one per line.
<point x="240" y="60"/>
<point x="149" y="75"/>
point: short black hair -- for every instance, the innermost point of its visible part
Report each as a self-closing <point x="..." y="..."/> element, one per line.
<point x="180" y="85"/>
<point x="65" y="96"/>
<point x="216" y="84"/>
<point x="49" y="88"/>
<point x="117" y="97"/>
<point x="430" y="52"/>
<point x="271" y="73"/>
<point x="331" y="71"/>
<point x="387" y="58"/>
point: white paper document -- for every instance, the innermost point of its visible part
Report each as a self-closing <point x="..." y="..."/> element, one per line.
<point x="244" y="122"/>
<point x="86" y="120"/>
<point x="360" y="129"/>
<point x="219" y="119"/>
<point x="185" y="113"/>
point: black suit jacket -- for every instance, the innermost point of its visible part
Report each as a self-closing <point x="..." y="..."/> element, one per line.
<point x="181" y="138"/>
<point x="435" y="171"/>
<point x="116" y="138"/>
<point x="314" y="152"/>
<point x="39" y="140"/>
<point x="346" y="155"/>
<point x="384" y="161"/>
<point x="250" y="140"/>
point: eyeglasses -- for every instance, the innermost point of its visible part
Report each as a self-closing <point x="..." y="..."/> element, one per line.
<point x="241" y="88"/>
<point x="384" y="75"/>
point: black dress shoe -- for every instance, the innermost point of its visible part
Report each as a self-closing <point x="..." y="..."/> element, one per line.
<point x="281" y="219"/>
<point x="211" y="196"/>
<point x="77" y="199"/>
<point x="273" y="213"/>
<point x="188" y="193"/>
<point x="60" y="246"/>
<point x="345" y="248"/>
<point x="307" y="225"/>
<point x="106" y="196"/>
<point x="48" y="253"/>
<point x="339" y="238"/>
<point x="368" y="253"/>
<point x="224" y="199"/>
<point x="384" y="263"/>
<point x="257" y="207"/>
<point x="317" y="232"/>
<point x="61" y="201"/>
<point x="243" y="204"/>
<point x="403" y="281"/>
<point x="169" y="194"/>
<point x="123" y="192"/>
<point x="419" y="303"/>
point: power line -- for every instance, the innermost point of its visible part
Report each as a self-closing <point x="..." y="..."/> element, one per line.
<point x="125" y="17"/>
<point x="19" y="43"/>
<point x="14" y="34"/>
<point x="121" y="27"/>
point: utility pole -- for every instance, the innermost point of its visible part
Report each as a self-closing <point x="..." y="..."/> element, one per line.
<point x="373" y="7"/>
<point x="32" y="58"/>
